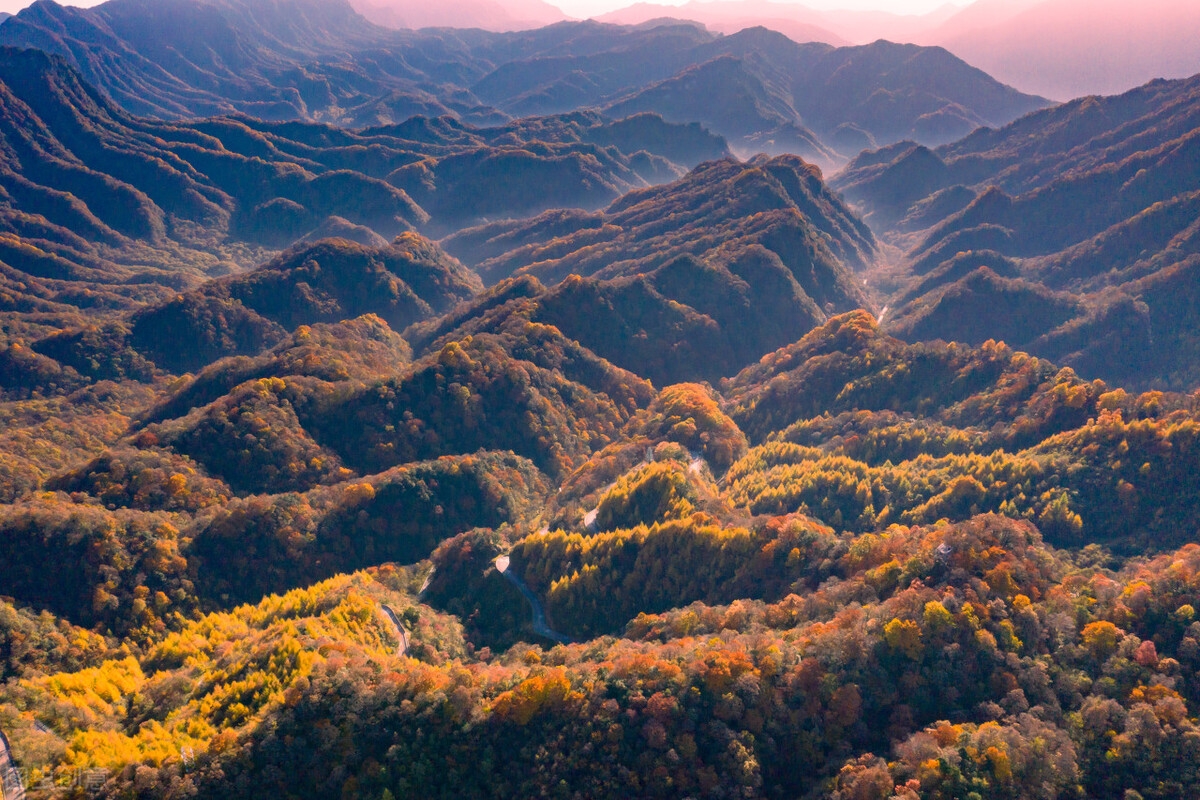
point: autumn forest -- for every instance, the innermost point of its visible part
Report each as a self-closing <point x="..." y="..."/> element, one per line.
<point x="452" y="414"/>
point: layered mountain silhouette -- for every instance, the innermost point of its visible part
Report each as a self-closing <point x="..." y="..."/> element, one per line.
<point x="836" y="26"/>
<point x="95" y="196"/>
<point x="699" y="276"/>
<point x="332" y="280"/>
<point x="133" y="210"/>
<point x="693" y="280"/>
<point x="796" y="22"/>
<point x="689" y="280"/>
<point x="318" y="60"/>
<point x="1057" y="48"/>
<point x="491" y="15"/>
<point x="767" y="93"/>
<point x="1071" y="232"/>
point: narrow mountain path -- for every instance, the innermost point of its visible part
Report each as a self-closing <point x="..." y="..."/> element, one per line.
<point x="10" y="778"/>
<point x="589" y="519"/>
<point x="539" y="615"/>
<point x="401" y="633"/>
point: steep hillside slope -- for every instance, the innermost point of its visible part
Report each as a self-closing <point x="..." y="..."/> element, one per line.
<point x="1085" y="216"/>
<point x="332" y="280"/>
<point x="688" y="280"/>
<point x="131" y="209"/>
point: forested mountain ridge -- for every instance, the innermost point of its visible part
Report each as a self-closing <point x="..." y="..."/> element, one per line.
<point x="689" y="280"/>
<point x="851" y="97"/>
<point x="156" y="207"/>
<point x="718" y="204"/>
<point x="566" y="456"/>
<point x="320" y="61"/>
<point x="793" y="557"/>
<point x="815" y="536"/>
<point x="332" y="280"/>
<point x="105" y="210"/>
<point x="1070" y="232"/>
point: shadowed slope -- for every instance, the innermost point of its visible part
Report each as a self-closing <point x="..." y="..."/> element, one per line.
<point x="1095" y="198"/>
<point x="691" y="280"/>
<point x="332" y="280"/>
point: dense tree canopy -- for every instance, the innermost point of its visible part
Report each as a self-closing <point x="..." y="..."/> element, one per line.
<point x="632" y="502"/>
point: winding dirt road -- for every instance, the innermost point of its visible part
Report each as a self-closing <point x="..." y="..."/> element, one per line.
<point x="539" y="616"/>
<point x="10" y="778"/>
<point x="401" y="633"/>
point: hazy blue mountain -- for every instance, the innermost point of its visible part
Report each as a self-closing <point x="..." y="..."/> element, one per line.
<point x="1086" y="211"/>
<point x="319" y="60"/>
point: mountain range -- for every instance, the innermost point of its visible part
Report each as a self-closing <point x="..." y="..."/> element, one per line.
<point x="491" y="15"/>
<point x="97" y="196"/>
<point x="1054" y="48"/>
<point x="157" y="206"/>
<point x="161" y="218"/>
<point x="1071" y="232"/>
<point x="1057" y="48"/>
<point x="318" y="60"/>
<point x="665" y="259"/>
<point x="589" y="453"/>
<point x="837" y="27"/>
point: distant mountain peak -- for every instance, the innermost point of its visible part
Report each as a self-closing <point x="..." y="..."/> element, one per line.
<point x="318" y="61"/>
<point x="491" y="15"/>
